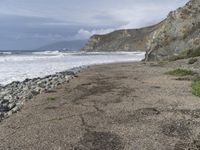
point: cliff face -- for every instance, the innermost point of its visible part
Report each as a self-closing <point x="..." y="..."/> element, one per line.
<point x="121" y="40"/>
<point x="178" y="33"/>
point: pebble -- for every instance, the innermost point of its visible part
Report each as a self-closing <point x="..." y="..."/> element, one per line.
<point x="13" y="95"/>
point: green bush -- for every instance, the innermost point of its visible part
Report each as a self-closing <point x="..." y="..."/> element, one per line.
<point x="180" y="72"/>
<point x="192" y="61"/>
<point x="196" y="87"/>
<point x="51" y="98"/>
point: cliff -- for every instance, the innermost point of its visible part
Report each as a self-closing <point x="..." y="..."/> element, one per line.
<point x="121" y="40"/>
<point x="179" y="33"/>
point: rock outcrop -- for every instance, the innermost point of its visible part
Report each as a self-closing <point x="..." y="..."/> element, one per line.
<point x="180" y="32"/>
<point x="121" y="40"/>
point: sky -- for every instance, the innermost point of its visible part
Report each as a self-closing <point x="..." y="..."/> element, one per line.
<point x="30" y="24"/>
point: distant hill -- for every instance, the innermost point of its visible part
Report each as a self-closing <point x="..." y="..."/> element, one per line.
<point x="70" y="45"/>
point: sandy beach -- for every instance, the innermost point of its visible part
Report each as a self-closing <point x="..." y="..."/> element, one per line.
<point x="131" y="106"/>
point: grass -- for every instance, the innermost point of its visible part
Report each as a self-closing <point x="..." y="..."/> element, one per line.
<point x="180" y="72"/>
<point x="196" y="86"/>
<point x="192" y="61"/>
<point x="51" y="98"/>
<point x="185" y="72"/>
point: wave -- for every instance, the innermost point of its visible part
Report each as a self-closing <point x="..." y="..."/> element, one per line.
<point x="28" y="56"/>
<point x="5" y="53"/>
<point x="51" y="55"/>
<point x="109" y="53"/>
<point x="47" y="53"/>
<point x="19" y="67"/>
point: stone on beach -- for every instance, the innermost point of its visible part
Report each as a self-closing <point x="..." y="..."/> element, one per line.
<point x="13" y="95"/>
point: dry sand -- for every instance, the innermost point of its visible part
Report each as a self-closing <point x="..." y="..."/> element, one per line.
<point x="130" y="106"/>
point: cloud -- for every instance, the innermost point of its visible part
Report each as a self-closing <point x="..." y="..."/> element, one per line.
<point x="85" y="34"/>
<point x="88" y="12"/>
<point x="32" y="23"/>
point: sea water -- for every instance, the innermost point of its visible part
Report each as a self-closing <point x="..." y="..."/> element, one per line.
<point x="18" y="66"/>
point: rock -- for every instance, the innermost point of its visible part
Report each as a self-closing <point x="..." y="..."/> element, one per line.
<point x="15" y="109"/>
<point x="8" y="114"/>
<point x="3" y="108"/>
<point x="29" y="96"/>
<point x="13" y="95"/>
<point x="7" y="97"/>
<point x="1" y="116"/>
<point x="11" y="106"/>
<point x="35" y="92"/>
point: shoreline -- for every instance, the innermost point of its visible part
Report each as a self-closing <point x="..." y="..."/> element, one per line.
<point x="18" y="68"/>
<point x="15" y="94"/>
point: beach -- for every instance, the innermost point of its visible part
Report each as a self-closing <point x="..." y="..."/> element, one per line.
<point x="115" y="106"/>
<point x="25" y="74"/>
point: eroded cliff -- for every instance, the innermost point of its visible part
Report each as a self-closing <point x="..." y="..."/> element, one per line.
<point x="121" y="40"/>
<point x="179" y="33"/>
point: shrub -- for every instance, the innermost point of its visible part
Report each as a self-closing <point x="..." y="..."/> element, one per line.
<point x="51" y="98"/>
<point x="192" y="61"/>
<point x="180" y="72"/>
<point x="196" y="87"/>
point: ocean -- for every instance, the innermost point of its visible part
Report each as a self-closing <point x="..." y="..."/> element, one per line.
<point x="20" y="65"/>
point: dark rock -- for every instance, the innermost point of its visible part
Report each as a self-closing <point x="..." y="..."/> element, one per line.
<point x="4" y="109"/>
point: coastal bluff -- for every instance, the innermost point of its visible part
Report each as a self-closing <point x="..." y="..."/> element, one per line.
<point x="121" y="40"/>
<point x="179" y="33"/>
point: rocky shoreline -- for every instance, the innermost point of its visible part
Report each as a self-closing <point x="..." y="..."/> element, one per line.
<point x="13" y="95"/>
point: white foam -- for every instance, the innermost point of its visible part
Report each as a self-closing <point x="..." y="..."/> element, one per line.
<point x="47" y="53"/>
<point x="5" y="53"/>
<point x="20" y="67"/>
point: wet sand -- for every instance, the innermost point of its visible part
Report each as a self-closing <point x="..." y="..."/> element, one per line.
<point x="130" y="106"/>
